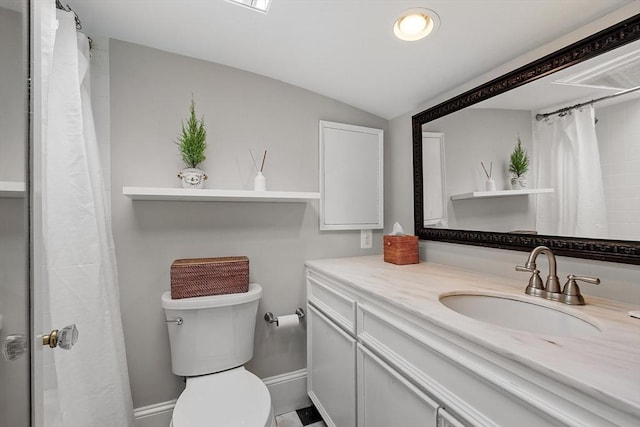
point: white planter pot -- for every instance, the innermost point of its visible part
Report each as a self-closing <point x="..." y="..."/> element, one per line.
<point x="192" y="178"/>
<point x="518" y="182"/>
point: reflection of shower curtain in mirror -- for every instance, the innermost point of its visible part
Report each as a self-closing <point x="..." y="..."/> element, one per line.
<point x="92" y="378"/>
<point x="566" y="158"/>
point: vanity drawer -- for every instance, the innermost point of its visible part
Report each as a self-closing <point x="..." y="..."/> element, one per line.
<point x="336" y="305"/>
<point x="433" y="364"/>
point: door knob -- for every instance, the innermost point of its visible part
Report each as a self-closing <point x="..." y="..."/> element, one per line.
<point x="64" y="338"/>
<point x="14" y="347"/>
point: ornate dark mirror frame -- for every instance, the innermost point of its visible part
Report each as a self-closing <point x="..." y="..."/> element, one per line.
<point x="620" y="251"/>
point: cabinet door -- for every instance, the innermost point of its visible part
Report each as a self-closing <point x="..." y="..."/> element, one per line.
<point x="331" y="370"/>
<point x="351" y="177"/>
<point x="445" y="419"/>
<point x="385" y="398"/>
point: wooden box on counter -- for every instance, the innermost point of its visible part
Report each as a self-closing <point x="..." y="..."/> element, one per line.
<point x="401" y="250"/>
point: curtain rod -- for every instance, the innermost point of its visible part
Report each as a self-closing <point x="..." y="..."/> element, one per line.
<point x="593" y="101"/>
<point x="67" y="8"/>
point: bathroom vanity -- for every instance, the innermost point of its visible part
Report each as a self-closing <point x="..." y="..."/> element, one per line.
<point x="383" y="350"/>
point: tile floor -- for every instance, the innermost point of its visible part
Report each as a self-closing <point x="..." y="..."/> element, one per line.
<point x="306" y="417"/>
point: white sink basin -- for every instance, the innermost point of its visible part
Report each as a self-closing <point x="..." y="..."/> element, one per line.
<point x="517" y="314"/>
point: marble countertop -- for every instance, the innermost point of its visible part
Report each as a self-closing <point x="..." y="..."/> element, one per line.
<point x="605" y="365"/>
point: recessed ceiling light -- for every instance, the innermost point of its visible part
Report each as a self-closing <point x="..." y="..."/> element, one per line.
<point x="415" y="24"/>
<point x="259" y="5"/>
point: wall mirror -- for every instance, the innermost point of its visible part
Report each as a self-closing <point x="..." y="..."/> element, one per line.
<point x="485" y="123"/>
<point x="351" y="182"/>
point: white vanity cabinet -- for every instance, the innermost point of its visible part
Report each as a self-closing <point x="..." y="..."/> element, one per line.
<point x="386" y="398"/>
<point x="331" y="351"/>
<point x="375" y="361"/>
<point x="349" y="384"/>
<point x="332" y="381"/>
<point x="443" y="371"/>
<point x="445" y="419"/>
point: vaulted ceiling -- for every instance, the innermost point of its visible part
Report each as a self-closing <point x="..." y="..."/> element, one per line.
<point x="345" y="49"/>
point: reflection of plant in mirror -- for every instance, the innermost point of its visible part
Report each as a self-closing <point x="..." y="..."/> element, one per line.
<point x="519" y="163"/>
<point x="192" y="141"/>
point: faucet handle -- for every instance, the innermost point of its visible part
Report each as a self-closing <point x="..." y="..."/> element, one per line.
<point x="571" y="292"/>
<point x="587" y="279"/>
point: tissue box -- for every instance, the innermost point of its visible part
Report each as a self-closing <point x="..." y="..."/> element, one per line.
<point x="401" y="250"/>
<point x="197" y="277"/>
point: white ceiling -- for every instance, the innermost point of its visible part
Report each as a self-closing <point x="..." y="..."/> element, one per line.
<point x="345" y="49"/>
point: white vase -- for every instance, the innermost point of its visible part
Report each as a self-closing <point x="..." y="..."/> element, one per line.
<point x="260" y="182"/>
<point x="518" y="182"/>
<point x="192" y="178"/>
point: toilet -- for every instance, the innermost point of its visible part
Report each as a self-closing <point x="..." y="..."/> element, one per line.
<point x="211" y="338"/>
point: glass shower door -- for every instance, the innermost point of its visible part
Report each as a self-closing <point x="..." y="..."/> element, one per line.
<point x="15" y="408"/>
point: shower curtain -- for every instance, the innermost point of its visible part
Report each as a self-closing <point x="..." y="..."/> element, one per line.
<point x="80" y="271"/>
<point x="566" y="158"/>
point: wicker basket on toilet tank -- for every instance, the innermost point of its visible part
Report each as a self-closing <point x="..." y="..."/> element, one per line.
<point x="197" y="277"/>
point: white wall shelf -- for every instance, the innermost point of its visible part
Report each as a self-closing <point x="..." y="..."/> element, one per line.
<point x="211" y="195"/>
<point x="501" y="193"/>
<point x="12" y="189"/>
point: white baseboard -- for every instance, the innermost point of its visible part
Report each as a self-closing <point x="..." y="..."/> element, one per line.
<point x="156" y="415"/>
<point x="288" y="393"/>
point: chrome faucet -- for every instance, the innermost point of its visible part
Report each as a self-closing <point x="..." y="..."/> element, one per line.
<point x="551" y="290"/>
<point x="570" y="294"/>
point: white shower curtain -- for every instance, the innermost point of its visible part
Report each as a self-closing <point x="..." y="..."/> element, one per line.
<point x="92" y="378"/>
<point x="566" y="158"/>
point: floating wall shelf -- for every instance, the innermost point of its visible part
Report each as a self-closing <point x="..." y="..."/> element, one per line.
<point x="210" y="195"/>
<point x="501" y="193"/>
<point x="12" y="189"/>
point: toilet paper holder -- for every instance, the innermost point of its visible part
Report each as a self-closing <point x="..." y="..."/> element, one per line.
<point x="269" y="317"/>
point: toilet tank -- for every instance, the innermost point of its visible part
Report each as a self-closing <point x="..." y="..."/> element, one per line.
<point x="216" y="332"/>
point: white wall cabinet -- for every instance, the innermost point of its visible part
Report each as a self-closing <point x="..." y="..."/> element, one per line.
<point x="351" y="177"/>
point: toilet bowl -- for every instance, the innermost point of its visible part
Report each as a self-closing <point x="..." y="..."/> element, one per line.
<point x="211" y="338"/>
<point x="234" y="398"/>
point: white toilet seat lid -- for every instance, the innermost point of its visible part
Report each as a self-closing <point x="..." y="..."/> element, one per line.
<point x="234" y="398"/>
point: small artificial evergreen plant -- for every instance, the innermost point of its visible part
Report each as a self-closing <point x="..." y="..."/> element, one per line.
<point x="519" y="163"/>
<point x="192" y="141"/>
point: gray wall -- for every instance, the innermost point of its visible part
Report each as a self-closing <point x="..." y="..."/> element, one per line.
<point x="14" y="308"/>
<point x="150" y="92"/>
<point x="12" y="97"/>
